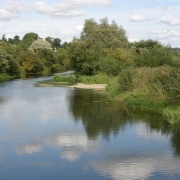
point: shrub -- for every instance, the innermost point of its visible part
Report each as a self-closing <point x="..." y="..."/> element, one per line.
<point x="140" y="100"/>
<point x="125" y="79"/>
<point x="4" y="77"/>
<point x="153" y="57"/>
<point x="67" y="79"/>
<point x="96" y="79"/>
<point x="113" y="87"/>
<point x="172" y="115"/>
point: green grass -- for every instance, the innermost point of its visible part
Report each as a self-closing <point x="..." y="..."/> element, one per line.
<point x="4" y="77"/>
<point x="64" y="79"/>
<point x="172" y="115"/>
<point x="139" y="100"/>
<point x="96" y="79"/>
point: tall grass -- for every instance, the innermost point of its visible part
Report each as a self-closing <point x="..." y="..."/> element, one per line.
<point x="144" y="87"/>
<point x="64" y="79"/>
<point x="96" y="79"/>
<point x="172" y="115"/>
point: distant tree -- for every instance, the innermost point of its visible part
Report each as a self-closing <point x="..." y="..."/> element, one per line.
<point x="148" y="44"/>
<point x="39" y="44"/>
<point x="153" y="57"/>
<point x="4" y="61"/>
<point x="4" y="37"/>
<point x="17" y="39"/>
<point x="28" y="39"/>
<point x="63" y="59"/>
<point x="47" y="57"/>
<point x="55" y="42"/>
<point x="64" y="45"/>
<point x="11" y="41"/>
<point x="30" y="62"/>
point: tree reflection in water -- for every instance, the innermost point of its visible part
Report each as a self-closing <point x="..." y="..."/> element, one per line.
<point x="102" y="116"/>
<point x="99" y="115"/>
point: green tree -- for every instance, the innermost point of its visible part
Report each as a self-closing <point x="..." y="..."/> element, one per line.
<point x="17" y="40"/>
<point x="4" y="37"/>
<point x="30" y="62"/>
<point x="95" y="38"/>
<point x="55" y="42"/>
<point x="28" y="39"/>
<point x="63" y="60"/>
<point x="4" y="61"/>
<point x="47" y="57"/>
<point x="148" y="44"/>
<point x="115" y="60"/>
<point x="153" y="57"/>
<point x="39" y="44"/>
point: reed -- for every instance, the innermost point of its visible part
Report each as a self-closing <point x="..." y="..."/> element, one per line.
<point x="172" y="115"/>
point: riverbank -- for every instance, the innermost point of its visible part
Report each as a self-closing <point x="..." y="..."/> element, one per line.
<point x="99" y="87"/>
<point x="137" y="92"/>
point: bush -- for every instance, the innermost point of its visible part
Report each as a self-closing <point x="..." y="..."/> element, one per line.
<point x="67" y="79"/>
<point x="140" y="100"/>
<point x="4" y="77"/>
<point x="113" y="87"/>
<point x="172" y="86"/>
<point x="172" y="115"/>
<point x="125" y="79"/>
<point x="153" y="57"/>
<point x="96" y="79"/>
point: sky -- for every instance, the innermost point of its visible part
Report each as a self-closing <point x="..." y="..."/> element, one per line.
<point x="64" y="19"/>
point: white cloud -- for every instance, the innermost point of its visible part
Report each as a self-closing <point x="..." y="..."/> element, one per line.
<point x="70" y="155"/>
<point x="166" y="33"/>
<point x="29" y="149"/>
<point x="93" y="2"/>
<point x="6" y="15"/>
<point x="71" y="8"/>
<point x="170" y="20"/>
<point x="137" y="18"/>
<point x="79" y="27"/>
<point x="132" y="38"/>
<point x="137" y="168"/>
<point x="12" y="10"/>
<point x="72" y="145"/>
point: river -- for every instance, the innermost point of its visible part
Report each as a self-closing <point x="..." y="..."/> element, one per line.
<point x="54" y="133"/>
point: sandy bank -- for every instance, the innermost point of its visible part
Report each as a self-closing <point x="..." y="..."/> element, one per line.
<point x="89" y="86"/>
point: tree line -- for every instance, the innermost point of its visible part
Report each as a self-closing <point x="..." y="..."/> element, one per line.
<point x="32" y="56"/>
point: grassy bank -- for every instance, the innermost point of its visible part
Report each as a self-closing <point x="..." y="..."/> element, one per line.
<point x="4" y="77"/>
<point x="153" y="89"/>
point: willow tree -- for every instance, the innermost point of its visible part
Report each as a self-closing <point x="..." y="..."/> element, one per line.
<point x="86" y="51"/>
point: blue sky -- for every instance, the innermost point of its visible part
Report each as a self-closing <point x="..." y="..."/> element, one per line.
<point x="142" y="19"/>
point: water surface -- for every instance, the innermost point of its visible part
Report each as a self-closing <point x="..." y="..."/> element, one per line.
<point x="62" y="133"/>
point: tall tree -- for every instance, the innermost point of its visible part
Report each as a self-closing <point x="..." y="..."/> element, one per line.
<point x="55" y="42"/>
<point x="17" y="39"/>
<point x="4" y="37"/>
<point x="28" y="39"/>
<point x="95" y="38"/>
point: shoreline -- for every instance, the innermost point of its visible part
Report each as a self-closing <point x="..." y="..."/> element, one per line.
<point x="98" y="87"/>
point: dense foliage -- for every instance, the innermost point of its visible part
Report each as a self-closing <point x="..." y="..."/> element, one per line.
<point x="143" y="74"/>
<point x="31" y="56"/>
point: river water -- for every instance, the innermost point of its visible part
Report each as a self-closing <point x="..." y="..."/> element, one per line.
<point x="54" y="133"/>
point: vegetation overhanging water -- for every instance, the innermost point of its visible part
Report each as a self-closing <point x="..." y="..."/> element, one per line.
<point x="144" y="74"/>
